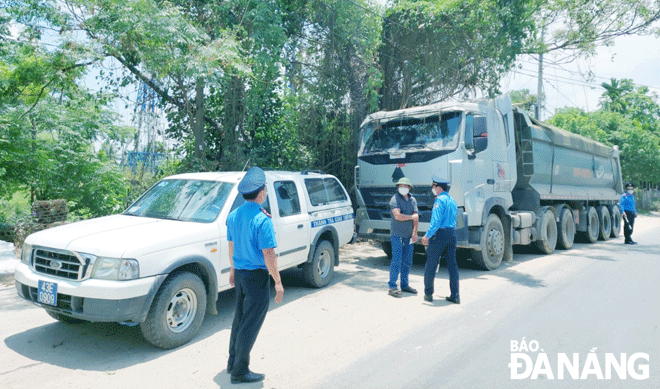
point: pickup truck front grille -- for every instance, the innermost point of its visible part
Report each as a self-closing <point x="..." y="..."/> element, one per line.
<point x="58" y="264"/>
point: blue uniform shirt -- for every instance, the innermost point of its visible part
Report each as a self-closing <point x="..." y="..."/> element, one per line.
<point x="251" y="230"/>
<point x="444" y="214"/>
<point x="627" y="203"/>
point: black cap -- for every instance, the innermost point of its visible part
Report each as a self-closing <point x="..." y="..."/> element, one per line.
<point x="630" y="184"/>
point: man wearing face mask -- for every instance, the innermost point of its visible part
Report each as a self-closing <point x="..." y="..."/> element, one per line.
<point x="441" y="241"/>
<point x="629" y="212"/>
<point x="251" y="239"/>
<point x="403" y="235"/>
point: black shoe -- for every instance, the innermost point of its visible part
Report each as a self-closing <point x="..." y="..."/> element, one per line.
<point x="409" y="289"/>
<point x="428" y="298"/>
<point x="631" y="242"/>
<point x="455" y="300"/>
<point x="249" y="377"/>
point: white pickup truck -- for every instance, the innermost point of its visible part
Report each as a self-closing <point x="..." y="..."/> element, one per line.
<point x="162" y="263"/>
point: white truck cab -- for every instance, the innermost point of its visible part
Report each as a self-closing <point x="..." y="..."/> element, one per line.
<point x="162" y="262"/>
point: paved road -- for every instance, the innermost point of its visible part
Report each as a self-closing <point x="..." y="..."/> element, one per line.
<point x="600" y="297"/>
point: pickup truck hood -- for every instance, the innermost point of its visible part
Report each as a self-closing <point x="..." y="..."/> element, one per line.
<point x="123" y="236"/>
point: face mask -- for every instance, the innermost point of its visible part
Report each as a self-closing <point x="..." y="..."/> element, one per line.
<point x="434" y="192"/>
<point x="404" y="191"/>
<point x="630" y="191"/>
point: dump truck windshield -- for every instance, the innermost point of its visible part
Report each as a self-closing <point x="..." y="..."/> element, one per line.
<point x="436" y="132"/>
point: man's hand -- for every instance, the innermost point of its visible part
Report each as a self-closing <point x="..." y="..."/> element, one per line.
<point x="279" y="293"/>
<point x="425" y="241"/>
<point x="231" y="263"/>
<point x="414" y="216"/>
<point x="414" y="238"/>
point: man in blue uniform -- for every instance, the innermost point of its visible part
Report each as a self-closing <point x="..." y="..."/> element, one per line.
<point x="252" y="245"/>
<point x="403" y="235"/>
<point x="629" y="212"/>
<point x="441" y="241"/>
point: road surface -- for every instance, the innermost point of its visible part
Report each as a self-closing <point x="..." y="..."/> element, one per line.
<point x="599" y="299"/>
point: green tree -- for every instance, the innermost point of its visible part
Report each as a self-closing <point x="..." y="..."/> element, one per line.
<point x="432" y="50"/>
<point x="637" y="103"/>
<point x="48" y="125"/>
<point x="524" y="99"/>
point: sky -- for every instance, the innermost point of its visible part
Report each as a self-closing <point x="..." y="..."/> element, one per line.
<point x="567" y="85"/>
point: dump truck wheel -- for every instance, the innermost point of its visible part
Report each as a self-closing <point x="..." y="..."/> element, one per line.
<point x="387" y="248"/>
<point x="547" y="233"/>
<point x="616" y="221"/>
<point x="493" y="242"/>
<point x="593" y="225"/>
<point x="605" y="223"/>
<point x="566" y="228"/>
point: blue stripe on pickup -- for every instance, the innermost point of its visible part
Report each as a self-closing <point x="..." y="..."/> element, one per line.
<point x="331" y="220"/>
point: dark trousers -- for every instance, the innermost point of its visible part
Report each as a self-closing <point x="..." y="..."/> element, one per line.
<point x="252" y="298"/>
<point x="443" y="243"/>
<point x="628" y="225"/>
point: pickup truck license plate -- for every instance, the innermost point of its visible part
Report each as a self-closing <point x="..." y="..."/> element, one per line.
<point x="47" y="293"/>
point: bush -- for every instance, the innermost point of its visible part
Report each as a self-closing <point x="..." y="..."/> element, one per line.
<point x="16" y="209"/>
<point x="655" y="206"/>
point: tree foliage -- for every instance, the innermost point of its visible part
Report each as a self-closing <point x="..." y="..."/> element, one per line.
<point x="283" y="84"/>
<point x="48" y="125"/>
<point x="432" y="50"/>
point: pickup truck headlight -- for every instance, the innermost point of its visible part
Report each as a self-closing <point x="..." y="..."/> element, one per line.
<point x="26" y="253"/>
<point x="116" y="269"/>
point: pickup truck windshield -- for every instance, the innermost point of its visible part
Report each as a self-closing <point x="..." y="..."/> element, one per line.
<point x="184" y="200"/>
<point x="436" y="132"/>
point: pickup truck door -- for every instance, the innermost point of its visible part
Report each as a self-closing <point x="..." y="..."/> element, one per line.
<point x="292" y="226"/>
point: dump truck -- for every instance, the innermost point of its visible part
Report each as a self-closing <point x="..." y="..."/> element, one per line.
<point x="516" y="180"/>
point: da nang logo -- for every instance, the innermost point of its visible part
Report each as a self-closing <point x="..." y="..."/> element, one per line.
<point x="530" y="361"/>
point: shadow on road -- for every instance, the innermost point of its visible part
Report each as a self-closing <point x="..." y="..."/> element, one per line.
<point x="370" y="257"/>
<point x="105" y="346"/>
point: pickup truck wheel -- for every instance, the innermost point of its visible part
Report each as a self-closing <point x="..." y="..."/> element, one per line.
<point x="566" y="227"/>
<point x="63" y="318"/>
<point x="593" y="225"/>
<point x="616" y="221"/>
<point x="492" y="244"/>
<point x="605" y="222"/>
<point x="548" y="233"/>
<point x="177" y="311"/>
<point x="319" y="272"/>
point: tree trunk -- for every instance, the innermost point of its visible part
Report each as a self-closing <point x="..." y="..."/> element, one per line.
<point x="198" y="123"/>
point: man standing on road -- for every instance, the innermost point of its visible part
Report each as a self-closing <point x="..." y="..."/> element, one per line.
<point x="441" y="240"/>
<point x="252" y="257"/>
<point x="629" y="212"/>
<point x="403" y="235"/>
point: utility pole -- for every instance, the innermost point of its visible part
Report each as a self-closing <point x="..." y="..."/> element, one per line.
<point x="539" y="88"/>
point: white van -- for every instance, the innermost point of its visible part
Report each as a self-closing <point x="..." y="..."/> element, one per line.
<point x="162" y="262"/>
